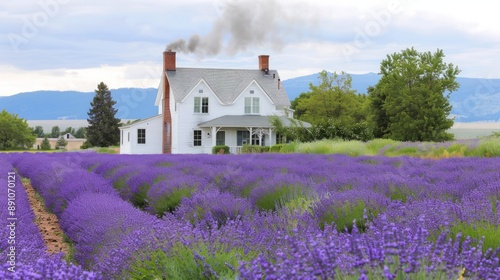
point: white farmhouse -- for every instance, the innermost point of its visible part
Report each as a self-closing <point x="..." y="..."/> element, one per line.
<point x="200" y="108"/>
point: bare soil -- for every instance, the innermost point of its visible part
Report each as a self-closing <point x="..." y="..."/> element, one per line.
<point x="47" y="223"/>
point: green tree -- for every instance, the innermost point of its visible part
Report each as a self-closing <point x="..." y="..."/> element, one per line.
<point x="103" y="128"/>
<point x="80" y="132"/>
<point x="409" y="102"/>
<point x="15" y="132"/>
<point x="69" y="130"/>
<point x="38" y="131"/>
<point x="56" y="131"/>
<point x="378" y="114"/>
<point x="333" y="98"/>
<point x="61" y="143"/>
<point x="45" y="145"/>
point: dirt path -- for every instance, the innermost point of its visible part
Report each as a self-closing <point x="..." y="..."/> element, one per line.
<point x="47" y="223"/>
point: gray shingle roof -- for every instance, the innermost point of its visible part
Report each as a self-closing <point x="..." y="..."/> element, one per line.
<point x="228" y="84"/>
<point x="247" y="121"/>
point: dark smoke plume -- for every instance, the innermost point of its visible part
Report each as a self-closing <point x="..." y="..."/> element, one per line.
<point x="244" y="24"/>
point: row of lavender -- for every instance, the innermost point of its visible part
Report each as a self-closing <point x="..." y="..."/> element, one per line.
<point x="110" y="236"/>
<point x="22" y="248"/>
<point x="269" y="215"/>
<point x="465" y="189"/>
<point x="410" y="192"/>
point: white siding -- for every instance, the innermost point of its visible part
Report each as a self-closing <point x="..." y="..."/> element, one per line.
<point x="153" y="145"/>
<point x="125" y="147"/>
<point x="186" y="121"/>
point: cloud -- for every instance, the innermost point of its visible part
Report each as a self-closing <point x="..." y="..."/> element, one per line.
<point x="301" y="36"/>
<point x="247" y="24"/>
<point x="142" y="75"/>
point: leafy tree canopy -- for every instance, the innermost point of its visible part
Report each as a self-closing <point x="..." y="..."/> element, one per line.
<point x="411" y="100"/>
<point x="333" y="99"/>
<point x="69" y="130"/>
<point x="15" y="132"/>
<point x="38" y="131"/>
<point x="56" y="131"/>
<point x="103" y="128"/>
<point x="80" y="132"/>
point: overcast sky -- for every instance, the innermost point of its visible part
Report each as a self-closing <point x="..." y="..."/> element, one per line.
<point x="75" y="44"/>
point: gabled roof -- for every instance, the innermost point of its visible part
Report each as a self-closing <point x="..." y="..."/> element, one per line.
<point x="137" y="122"/>
<point x="248" y="121"/>
<point x="227" y="84"/>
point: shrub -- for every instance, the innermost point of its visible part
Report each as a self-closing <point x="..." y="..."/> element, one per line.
<point x="278" y="197"/>
<point x="484" y="234"/>
<point x="344" y="216"/>
<point x="289" y="148"/>
<point x="345" y="209"/>
<point x="219" y="205"/>
<point x="278" y="190"/>
<point x="61" y="143"/>
<point x="169" y="201"/>
<point x="45" y="145"/>
<point x="376" y="145"/>
<point x="254" y="149"/>
<point x="220" y="149"/>
<point x="182" y="262"/>
<point x="165" y="196"/>
<point x="351" y="148"/>
<point x="85" y="145"/>
<point x="276" y="148"/>
<point x="488" y="148"/>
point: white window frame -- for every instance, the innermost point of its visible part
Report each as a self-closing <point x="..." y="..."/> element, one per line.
<point x="201" y="105"/>
<point x="252" y="105"/>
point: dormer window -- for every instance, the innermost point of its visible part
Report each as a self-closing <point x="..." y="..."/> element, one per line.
<point x="252" y="105"/>
<point x="201" y="105"/>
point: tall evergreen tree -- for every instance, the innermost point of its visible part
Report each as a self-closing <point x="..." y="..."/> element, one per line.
<point x="61" y="143"/>
<point x="45" y="145"/>
<point x="103" y="128"/>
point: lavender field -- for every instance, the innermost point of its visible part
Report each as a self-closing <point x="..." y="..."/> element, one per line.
<point x="260" y="216"/>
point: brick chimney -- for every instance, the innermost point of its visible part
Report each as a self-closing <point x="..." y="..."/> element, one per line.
<point x="168" y="65"/>
<point x="168" y="60"/>
<point x="263" y="62"/>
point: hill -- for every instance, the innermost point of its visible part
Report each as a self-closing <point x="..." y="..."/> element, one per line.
<point x="476" y="100"/>
<point x="132" y="103"/>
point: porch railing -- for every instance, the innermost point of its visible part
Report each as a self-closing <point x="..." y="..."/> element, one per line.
<point x="235" y="150"/>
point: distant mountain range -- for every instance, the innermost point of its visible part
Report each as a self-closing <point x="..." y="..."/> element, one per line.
<point x="476" y="100"/>
<point x="132" y="103"/>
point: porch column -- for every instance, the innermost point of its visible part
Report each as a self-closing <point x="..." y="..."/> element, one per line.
<point x="213" y="133"/>
<point x="251" y="136"/>
<point x="270" y="137"/>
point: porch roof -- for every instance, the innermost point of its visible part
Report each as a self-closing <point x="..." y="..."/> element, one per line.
<point x="247" y="121"/>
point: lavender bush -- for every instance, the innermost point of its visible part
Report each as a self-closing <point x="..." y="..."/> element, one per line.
<point x="31" y="259"/>
<point x="272" y="216"/>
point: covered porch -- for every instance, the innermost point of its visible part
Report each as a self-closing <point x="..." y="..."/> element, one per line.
<point x="237" y="130"/>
